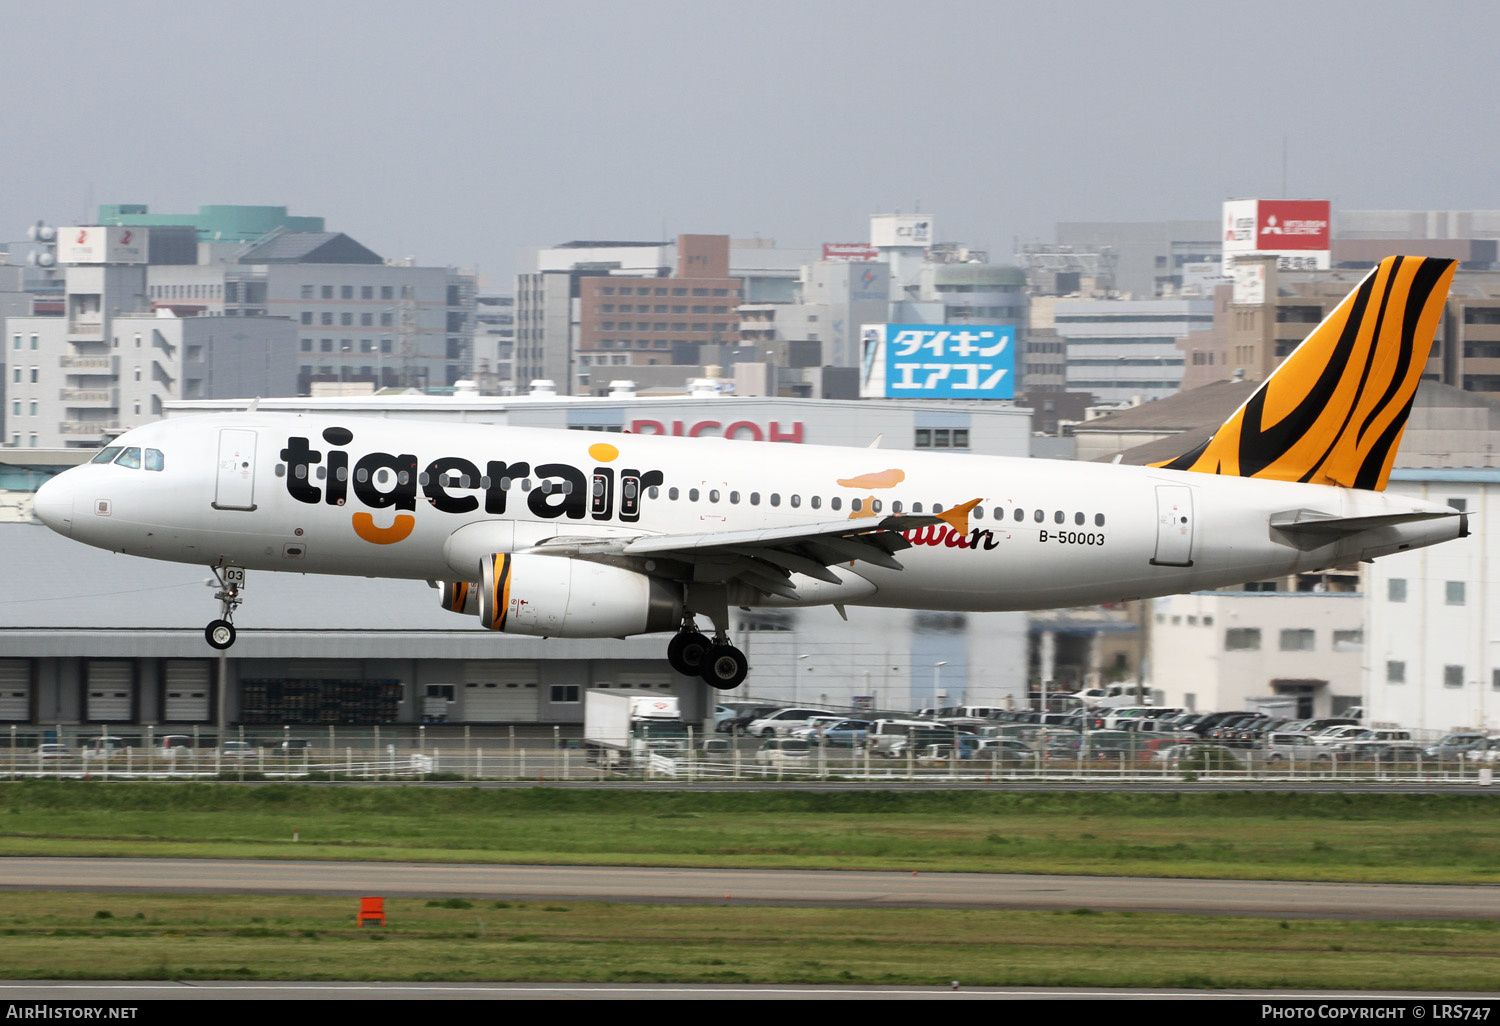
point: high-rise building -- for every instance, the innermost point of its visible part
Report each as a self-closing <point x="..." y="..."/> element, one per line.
<point x="111" y="360"/>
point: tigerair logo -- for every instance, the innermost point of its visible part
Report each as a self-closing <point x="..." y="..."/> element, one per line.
<point x="382" y="481"/>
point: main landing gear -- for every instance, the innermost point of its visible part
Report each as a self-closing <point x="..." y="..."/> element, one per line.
<point x="220" y="633"/>
<point x="718" y="663"/>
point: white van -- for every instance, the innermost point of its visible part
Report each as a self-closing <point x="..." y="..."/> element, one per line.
<point x="892" y="738"/>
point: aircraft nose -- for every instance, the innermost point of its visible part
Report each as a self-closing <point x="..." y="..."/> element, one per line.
<point x="54" y="504"/>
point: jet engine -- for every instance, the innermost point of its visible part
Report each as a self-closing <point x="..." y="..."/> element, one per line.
<point x="562" y="597"/>
<point x="461" y="597"/>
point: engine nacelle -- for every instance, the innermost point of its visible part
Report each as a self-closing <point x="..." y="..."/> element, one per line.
<point x="562" y="597"/>
<point x="461" y="597"/>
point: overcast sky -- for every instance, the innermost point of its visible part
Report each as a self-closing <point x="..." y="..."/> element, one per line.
<point x="461" y="132"/>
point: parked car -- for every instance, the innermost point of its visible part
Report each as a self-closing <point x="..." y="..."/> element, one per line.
<point x="1200" y="756"/>
<point x="841" y="733"/>
<point x="1283" y="746"/>
<point x="781" y="751"/>
<point x="174" y="747"/>
<point x="740" y="723"/>
<point x="783" y="721"/>
<point x="1488" y="755"/>
<point x="1315" y="727"/>
<point x="1387" y="753"/>
<point x="237" y="750"/>
<point x="105" y="747"/>
<point x="1333" y="735"/>
<point x="1451" y="747"/>
<point x="50" y="751"/>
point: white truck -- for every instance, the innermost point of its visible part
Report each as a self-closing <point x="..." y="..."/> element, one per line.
<point x="622" y="728"/>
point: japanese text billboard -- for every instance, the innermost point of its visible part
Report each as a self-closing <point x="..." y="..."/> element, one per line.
<point x="938" y="361"/>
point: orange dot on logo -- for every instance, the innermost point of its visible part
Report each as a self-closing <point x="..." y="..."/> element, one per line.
<point x="603" y="452"/>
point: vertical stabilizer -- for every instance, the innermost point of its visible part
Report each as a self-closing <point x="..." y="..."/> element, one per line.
<point x="1333" y="412"/>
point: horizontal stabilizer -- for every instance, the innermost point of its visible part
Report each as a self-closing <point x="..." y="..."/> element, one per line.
<point x="1312" y="522"/>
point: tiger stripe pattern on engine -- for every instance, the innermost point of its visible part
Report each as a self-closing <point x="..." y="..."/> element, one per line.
<point x="1334" y="411"/>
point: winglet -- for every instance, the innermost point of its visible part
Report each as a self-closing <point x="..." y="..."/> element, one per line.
<point x="958" y="517"/>
<point x="1334" y="411"/>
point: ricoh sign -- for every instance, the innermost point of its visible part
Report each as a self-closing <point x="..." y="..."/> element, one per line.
<point x="774" y="431"/>
<point x="935" y="361"/>
<point x="1296" y="232"/>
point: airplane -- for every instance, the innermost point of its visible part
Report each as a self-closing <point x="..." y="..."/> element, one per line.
<point x="556" y="533"/>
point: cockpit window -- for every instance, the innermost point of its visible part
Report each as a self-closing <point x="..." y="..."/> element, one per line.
<point x="107" y="455"/>
<point x="154" y="459"/>
<point x="131" y="458"/>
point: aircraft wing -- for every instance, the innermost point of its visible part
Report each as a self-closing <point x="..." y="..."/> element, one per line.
<point x="766" y="559"/>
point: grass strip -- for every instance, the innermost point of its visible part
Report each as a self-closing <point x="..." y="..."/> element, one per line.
<point x="193" y="937"/>
<point x="1246" y="835"/>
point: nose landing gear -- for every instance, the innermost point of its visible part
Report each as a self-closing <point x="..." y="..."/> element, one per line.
<point x="220" y="633"/>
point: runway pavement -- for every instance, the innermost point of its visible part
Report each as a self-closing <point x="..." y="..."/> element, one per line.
<point x="753" y="887"/>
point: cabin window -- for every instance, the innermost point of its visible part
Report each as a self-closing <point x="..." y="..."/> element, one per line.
<point x="1078" y="519"/>
<point x="654" y="492"/>
<point x="937" y="507"/>
<point x="734" y="497"/>
<point x="1059" y="517"/>
<point x="1098" y="519"/>
<point x="835" y="503"/>
<point x="775" y="499"/>
<point x="692" y="495"/>
<point x="107" y="455"/>
<point x="875" y="505"/>
<point x="896" y="507"/>
<point x="815" y="502"/>
<point x="154" y="459"/>
<point x="713" y="495"/>
<point x="796" y="500"/>
<point x="978" y="513"/>
<point x="1020" y="514"/>
<point x="130" y="458"/>
<point x="755" y="498"/>
<point x="1039" y="516"/>
<point x="856" y="504"/>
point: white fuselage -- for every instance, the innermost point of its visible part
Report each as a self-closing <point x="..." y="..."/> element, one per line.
<point x="398" y="499"/>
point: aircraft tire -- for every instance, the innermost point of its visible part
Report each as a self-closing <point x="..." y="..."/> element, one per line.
<point x="687" y="651"/>
<point x="220" y="634"/>
<point x="725" y="667"/>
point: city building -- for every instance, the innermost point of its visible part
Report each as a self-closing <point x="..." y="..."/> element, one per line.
<point x="1299" y="640"/>
<point x="639" y="321"/>
<point x="1433" y="617"/>
<point x="111" y="360"/>
<point x="1120" y="349"/>
<point x="1139" y="260"/>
